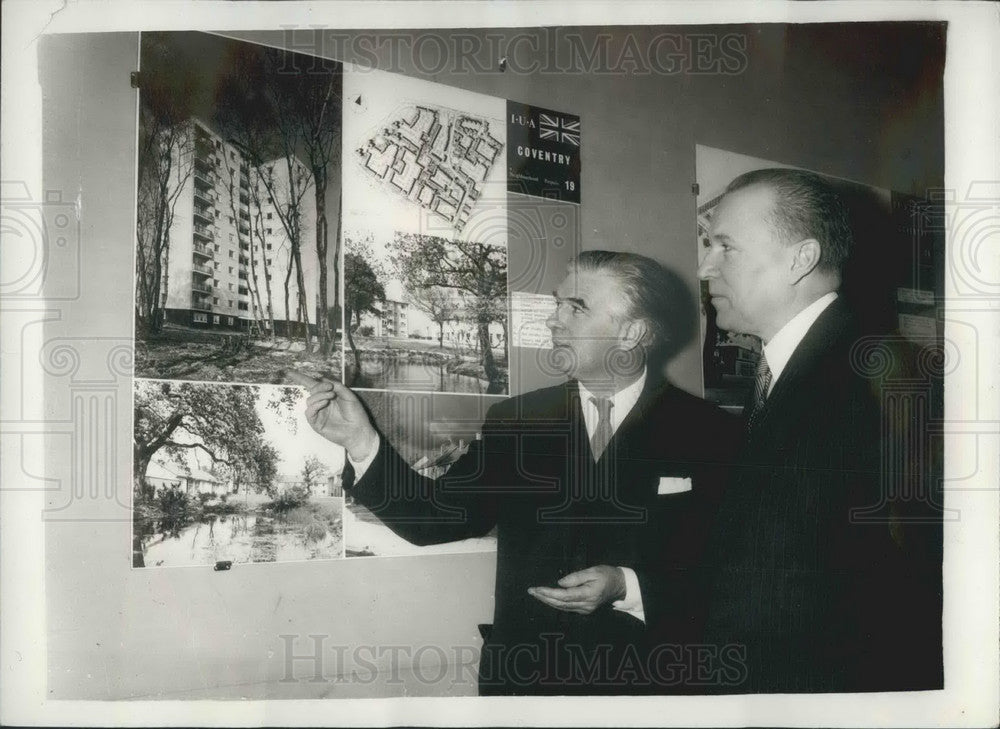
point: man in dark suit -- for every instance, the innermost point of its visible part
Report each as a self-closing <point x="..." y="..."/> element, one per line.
<point x="808" y="568"/>
<point x="599" y="489"/>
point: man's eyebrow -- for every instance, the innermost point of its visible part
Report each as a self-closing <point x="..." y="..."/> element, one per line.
<point x="571" y="299"/>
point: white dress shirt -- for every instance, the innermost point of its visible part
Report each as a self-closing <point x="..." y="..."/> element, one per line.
<point x="783" y="344"/>
<point x="624" y="400"/>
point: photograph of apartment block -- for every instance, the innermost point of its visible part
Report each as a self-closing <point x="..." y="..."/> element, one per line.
<point x="237" y="212"/>
<point x="229" y="265"/>
<point x="390" y="319"/>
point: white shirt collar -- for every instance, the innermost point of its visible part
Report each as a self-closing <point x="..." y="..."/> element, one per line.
<point x="624" y="400"/>
<point x="783" y="344"/>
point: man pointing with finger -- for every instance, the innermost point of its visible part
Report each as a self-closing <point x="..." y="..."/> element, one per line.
<point x="600" y="490"/>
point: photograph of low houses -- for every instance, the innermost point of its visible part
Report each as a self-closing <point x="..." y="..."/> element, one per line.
<point x="231" y="472"/>
<point x="238" y="211"/>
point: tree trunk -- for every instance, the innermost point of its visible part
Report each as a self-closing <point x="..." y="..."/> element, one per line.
<point x="322" y="318"/>
<point x="303" y="306"/>
<point x="354" y="349"/>
<point x="140" y="462"/>
<point x="337" y="284"/>
<point x="288" y="314"/>
<point x="137" y="558"/>
<point x="489" y="365"/>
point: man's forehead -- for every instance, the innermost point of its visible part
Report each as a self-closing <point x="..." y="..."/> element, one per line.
<point x="579" y="281"/>
<point x="754" y="202"/>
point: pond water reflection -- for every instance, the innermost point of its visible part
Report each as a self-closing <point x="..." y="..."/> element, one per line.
<point x="395" y="374"/>
<point x="312" y="531"/>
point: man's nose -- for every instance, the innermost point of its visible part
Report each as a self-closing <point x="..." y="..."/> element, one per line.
<point x="555" y="320"/>
<point x="707" y="269"/>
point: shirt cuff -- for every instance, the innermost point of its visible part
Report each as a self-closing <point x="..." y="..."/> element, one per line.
<point x="632" y="602"/>
<point x="361" y="466"/>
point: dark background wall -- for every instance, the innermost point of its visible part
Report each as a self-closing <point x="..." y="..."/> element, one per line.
<point x="857" y="101"/>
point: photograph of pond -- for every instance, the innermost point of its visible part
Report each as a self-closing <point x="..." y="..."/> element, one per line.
<point x="430" y="431"/>
<point x="231" y="472"/>
<point x="423" y="313"/>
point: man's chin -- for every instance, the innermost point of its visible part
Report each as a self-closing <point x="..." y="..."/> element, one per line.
<point x="563" y="359"/>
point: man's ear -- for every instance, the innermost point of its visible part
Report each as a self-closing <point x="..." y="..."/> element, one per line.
<point x="805" y="258"/>
<point x="634" y="333"/>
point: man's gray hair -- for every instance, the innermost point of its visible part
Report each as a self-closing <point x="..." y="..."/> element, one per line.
<point x="805" y="206"/>
<point x="653" y="293"/>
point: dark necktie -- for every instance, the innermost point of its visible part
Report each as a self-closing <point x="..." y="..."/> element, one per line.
<point x="762" y="381"/>
<point x="603" y="432"/>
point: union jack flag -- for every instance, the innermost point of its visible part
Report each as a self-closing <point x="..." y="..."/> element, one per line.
<point x="558" y="129"/>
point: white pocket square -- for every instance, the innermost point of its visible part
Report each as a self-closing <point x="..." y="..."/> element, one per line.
<point x="673" y="485"/>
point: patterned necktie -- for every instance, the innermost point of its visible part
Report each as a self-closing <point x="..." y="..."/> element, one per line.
<point x="761" y="383"/>
<point x="602" y="434"/>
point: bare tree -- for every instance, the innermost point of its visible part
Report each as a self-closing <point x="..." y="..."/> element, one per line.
<point x="251" y="115"/>
<point x="477" y="270"/>
<point x="287" y="181"/>
<point x="307" y="93"/>
<point x="439" y="304"/>
<point x="165" y="165"/>
<point x="363" y="289"/>
<point x="258" y="249"/>
<point x="237" y="173"/>
<point x="313" y="472"/>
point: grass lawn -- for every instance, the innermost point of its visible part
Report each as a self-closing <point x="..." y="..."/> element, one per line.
<point x="181" y="353"/>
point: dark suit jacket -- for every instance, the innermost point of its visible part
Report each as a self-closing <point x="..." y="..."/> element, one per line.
<point x="817" y="599"/>
<point x="532" y="476"/>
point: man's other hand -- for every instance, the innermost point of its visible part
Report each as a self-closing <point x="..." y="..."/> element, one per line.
<point x="337" y="414"/>
<point x="583" y="591"/>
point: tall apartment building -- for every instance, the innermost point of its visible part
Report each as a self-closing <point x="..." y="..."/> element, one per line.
<point x="391" y="319"/>
<point x="394" y="318"/>
<point x="227" y="242"/>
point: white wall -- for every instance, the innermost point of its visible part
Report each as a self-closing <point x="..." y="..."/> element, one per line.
<point x="115" y="632"/>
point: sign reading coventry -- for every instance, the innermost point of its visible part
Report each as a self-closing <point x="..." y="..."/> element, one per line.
<point x="543" y="152"/>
